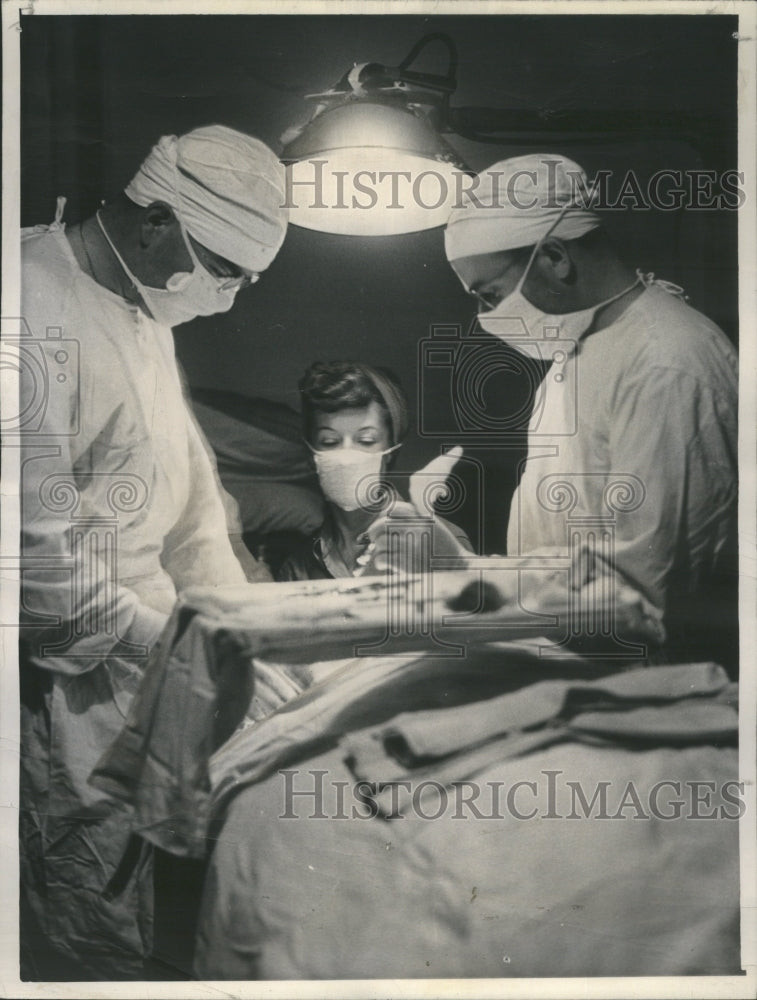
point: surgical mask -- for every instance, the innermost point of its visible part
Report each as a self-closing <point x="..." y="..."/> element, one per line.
<point x="349" y="477"/>
<point x="529" y="329"/>
<point x="187" y="293"/>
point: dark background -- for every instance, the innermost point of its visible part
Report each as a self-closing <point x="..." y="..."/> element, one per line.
<point x="97" y="92"/>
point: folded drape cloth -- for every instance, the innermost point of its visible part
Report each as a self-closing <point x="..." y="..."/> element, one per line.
<point x="195" y="692"/>
<point x="367" y="691"/>
<point x="182" y="755"/>
<point x="437" y="733"/>
<point x="683" y="704"/>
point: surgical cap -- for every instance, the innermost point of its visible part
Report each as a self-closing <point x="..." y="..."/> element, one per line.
<point x="516" y="203"/>
<point x="394" y="401"/>
<point x="227" y="188"/>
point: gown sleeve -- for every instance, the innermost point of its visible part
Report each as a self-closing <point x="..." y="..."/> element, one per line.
<point x="74" y="609"/>
<point x="197" y="550"/>
<point x="676" y="436"/>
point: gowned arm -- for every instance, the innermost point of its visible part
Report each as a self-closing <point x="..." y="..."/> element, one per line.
<point x="74" y="610"/>
<point x="678" y="439"/>
<point x="197" y="551"/>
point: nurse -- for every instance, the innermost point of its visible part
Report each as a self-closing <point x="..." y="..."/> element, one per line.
<point x="637" y="428"/>
<point x="355" y="419"/>
<point x="121" y="511"/>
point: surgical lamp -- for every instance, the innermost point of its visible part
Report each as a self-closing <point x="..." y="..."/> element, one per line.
<point x="373" y="159"/>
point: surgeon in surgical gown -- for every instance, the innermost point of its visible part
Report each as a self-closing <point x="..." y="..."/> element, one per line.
<point x="121" y="511"/>
<point x="633" y="435"/>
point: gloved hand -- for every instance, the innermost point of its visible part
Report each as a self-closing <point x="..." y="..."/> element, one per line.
<point x="256" y="570"/>
<point x="405" y="541"/>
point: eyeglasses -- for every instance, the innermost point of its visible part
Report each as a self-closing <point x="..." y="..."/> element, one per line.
<point x="237" y="283"/>
<point x="489" y="300"/>
<point x="228" y="275"/>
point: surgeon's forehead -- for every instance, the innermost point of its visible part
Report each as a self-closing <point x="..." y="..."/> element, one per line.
<point x="478" y="270"/>
<point x="209" y="256"/>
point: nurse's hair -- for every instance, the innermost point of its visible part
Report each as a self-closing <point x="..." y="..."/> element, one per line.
<point x="328" y="387"/>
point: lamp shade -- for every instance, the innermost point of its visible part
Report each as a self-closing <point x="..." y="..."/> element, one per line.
<point x="367" y="168"/>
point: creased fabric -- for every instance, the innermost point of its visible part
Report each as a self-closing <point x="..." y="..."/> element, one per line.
<point x="438" y="733"/>
<point x="169" y="761"/>
<point x="673" y="705"/>
<point x="159" y="762"/>
<point x="309" y="886"/>
<point x="573" y="843"/>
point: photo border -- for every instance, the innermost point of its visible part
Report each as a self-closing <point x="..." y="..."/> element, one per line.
<point x="13" y="15"/>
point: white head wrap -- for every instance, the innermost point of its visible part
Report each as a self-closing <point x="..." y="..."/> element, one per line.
<point x="515" y="204"/>
<point x="227" y="188"/>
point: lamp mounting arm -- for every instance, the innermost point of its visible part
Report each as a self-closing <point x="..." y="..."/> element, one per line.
<point x="374" y="79"/>
<point x="446" y="83"/>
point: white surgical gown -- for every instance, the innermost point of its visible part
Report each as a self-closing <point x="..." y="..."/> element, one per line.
<point x="634" y="437"/>
<point x="120" y="510"/>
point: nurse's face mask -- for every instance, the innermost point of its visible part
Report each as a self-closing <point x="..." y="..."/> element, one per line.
<point x="518" y="322"/>
<point x="349" y="447"/>
<point x="187" y="293"/>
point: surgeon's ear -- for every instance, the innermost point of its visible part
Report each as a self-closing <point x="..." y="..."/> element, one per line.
<point x="556" y="257"/>
<point x="157" y="220"/>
